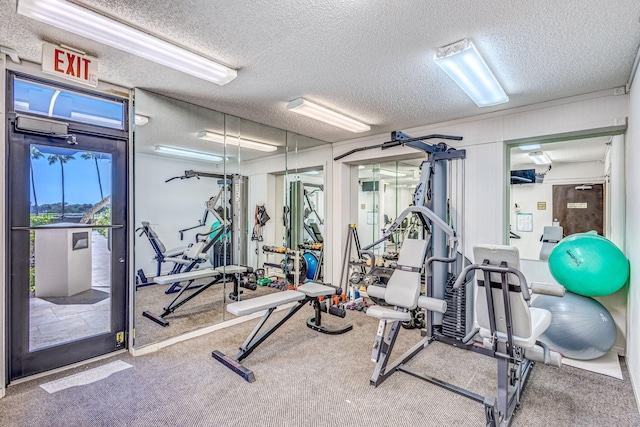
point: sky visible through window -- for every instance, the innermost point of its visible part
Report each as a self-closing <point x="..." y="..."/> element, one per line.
<point x="87" y="175"/>
<point x="81" y="181"/>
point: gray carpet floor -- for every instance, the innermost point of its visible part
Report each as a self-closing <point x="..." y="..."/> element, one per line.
<point x="304" y="378"/>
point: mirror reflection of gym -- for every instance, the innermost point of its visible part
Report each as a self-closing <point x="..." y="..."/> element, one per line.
<point x="187" y="214"/>
<point x="300" y="207"/>
<point x="385" y="190"/>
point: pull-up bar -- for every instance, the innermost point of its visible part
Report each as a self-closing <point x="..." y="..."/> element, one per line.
<point x="399" y="139"/>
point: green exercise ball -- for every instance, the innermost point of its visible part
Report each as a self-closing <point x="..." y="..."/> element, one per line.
<point x="589" y="265"/>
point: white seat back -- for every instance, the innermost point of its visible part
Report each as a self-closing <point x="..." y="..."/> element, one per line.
<point x="153" y="236"/>
<point x="403" y="288"/>
<point x="520" y="313"/>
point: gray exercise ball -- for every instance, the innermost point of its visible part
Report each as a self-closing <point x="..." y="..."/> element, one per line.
<point x="581" y="328"/>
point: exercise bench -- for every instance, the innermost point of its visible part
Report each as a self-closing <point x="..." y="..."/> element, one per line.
<point x="190" y="276"/>
<point x="310" y="292"/>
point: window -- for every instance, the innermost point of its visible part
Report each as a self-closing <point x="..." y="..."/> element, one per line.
<point x="35" y="98"/>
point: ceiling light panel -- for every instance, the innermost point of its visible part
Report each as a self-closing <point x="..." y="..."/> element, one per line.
<point x="181" y="152"/>
<point x="540" y="158"/>
<point x="529" y="147"/>
<point x="86" y="23"/>
<point x="464" y="65"/>
<point x="236" y="141"/>
<point x="323" y="114"/>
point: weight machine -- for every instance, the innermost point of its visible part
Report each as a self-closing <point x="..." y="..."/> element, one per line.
<point x="508" y="327"/>
<point x="224" y="246"/>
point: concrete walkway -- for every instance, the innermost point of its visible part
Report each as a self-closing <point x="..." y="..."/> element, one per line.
<point x="52" y="324"/>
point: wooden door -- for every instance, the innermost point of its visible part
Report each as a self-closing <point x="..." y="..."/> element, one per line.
<point x="579" y="208"/>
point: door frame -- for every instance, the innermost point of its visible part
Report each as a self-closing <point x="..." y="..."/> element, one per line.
<point x="124" y="135"/>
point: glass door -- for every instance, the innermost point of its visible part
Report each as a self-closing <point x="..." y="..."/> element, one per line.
<point x="67" y="246"/>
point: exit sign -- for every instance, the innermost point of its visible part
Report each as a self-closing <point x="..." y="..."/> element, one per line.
<point x="69" y="64"/>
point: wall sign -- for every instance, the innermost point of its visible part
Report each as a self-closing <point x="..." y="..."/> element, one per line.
<point x="576" y="206"/>
<point x="542" y="206"/>
<point x="69" y="64"/>
<point x="524" y="222"/>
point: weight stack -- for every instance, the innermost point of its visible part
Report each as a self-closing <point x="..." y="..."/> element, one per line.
<point x="454" y="320"/>
<point x="221" y="250"/>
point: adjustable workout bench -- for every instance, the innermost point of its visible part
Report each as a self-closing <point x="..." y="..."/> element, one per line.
<point x="507" y="326"/>
<point x="184" y="258"/>
<point x="309" y="292"/>
<point x="217" y="275"/>
<point x="162" y="254"/>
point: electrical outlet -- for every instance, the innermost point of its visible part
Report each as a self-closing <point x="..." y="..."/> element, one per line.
<point x="619" y="91"/>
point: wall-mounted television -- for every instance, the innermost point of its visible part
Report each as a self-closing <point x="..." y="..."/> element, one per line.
<point x="370" y="185"/>
<point x="524" y="176"/>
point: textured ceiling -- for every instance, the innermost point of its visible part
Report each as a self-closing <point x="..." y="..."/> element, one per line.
<point x="371" y="60"/>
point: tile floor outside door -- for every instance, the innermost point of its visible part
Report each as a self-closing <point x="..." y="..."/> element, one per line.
<point x="52" y="323"/>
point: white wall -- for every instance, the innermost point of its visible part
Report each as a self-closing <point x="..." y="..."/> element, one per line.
<point x="633" y="243"/>
<point x="527" y="196"/>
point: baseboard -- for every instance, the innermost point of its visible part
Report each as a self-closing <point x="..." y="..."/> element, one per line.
<point x="635" y="387"/>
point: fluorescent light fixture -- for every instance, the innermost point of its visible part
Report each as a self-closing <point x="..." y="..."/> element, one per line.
<point x="529" y="147"/>
<point x="312" y="172"/>
<point x="175" y="151"/>
<point x="86" y="23"/>
<point x="390" y="173"/>
<point x="462" y="62"/>
<point x="237" y="141"/>
<point x="540" y="158"/>
<point x="141" y="120"/>
<point x="323" y="114"/>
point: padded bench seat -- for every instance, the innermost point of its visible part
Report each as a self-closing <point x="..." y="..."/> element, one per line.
<point x="248" y="306"/>
<point x="314" y="290"/>
<point x="388" y="314"/>
<point x="231" y="269"/>
<point x="191" y="275"/>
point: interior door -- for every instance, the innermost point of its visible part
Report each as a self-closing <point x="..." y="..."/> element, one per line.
<point x="67" y="248"/>
<point x="579" y="208"/>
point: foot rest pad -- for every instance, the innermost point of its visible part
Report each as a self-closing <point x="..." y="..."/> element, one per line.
<point x="388" y="314"/>
<point x="235" y="366"/>
<point x="314" y="290"/>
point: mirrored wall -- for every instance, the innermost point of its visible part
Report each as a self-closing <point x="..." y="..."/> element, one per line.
<point x="212" y="191"/>
<point x="384" y="191"/>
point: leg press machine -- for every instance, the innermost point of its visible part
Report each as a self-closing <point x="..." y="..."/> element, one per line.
<point x="506" y="326"/>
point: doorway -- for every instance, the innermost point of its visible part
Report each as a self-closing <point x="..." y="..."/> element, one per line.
<point x="67" y="237"/>
<point x="579" y="208"/>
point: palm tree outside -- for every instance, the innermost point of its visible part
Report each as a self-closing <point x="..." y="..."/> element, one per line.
<point x="63" y="159"/>
<point x="35" y="155"/>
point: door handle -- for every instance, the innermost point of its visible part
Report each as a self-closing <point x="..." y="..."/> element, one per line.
<point x="53" y="227"/>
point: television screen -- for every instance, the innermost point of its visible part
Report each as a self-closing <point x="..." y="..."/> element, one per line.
<point x="525" y="176"/>
<point x="370" y="185"/>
